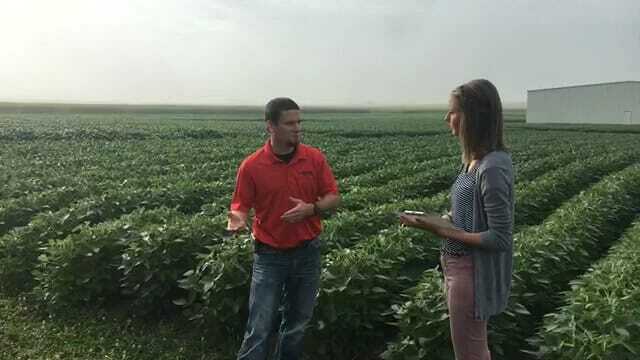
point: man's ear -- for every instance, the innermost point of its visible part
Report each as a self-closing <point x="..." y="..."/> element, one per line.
<point x="269" y="126"/>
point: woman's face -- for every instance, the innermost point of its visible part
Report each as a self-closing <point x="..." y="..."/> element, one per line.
<point x="454" y="116"/>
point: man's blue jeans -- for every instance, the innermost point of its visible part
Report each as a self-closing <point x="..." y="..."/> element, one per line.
<point x="289" y="278"/>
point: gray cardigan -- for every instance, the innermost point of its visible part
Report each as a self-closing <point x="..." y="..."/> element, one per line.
<point x="493" y="208"/>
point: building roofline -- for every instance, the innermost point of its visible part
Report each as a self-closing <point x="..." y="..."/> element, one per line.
<point x="587" y="85"/>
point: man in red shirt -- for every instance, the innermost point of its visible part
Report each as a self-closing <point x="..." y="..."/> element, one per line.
<point x="289" y="185"/>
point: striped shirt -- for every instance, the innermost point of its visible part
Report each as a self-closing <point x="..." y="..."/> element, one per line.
<point x="461" y="211"/>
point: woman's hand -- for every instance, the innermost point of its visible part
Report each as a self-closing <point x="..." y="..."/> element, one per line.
<point x="442" y="227"/>
<point x="430" y="224"/>
<point x="409" y="220"/>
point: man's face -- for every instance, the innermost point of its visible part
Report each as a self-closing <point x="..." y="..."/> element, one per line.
<point x="288" y="131"/>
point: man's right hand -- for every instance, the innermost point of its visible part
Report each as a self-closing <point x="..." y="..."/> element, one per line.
<point x="237" y="221"/>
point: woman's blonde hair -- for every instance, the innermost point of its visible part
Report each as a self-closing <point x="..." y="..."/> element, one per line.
<point x="481" y="128"/>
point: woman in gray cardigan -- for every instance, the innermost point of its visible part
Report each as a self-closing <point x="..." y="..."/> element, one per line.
<point x="477" y="251"/>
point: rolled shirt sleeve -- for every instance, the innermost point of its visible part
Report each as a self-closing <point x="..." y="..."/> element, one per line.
<point x="244" y="193"/>
<point x="496" y="188"/>
<point x="327" y="182"/>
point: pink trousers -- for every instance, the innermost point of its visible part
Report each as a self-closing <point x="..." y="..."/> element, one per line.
<point x="468" y="335"/>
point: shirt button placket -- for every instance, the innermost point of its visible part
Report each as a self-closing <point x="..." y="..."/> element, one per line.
<point x="288" y="167"/>
<point x="292" y="183"/>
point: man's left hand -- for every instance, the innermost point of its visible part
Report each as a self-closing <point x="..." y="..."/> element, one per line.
<point x="299" y="212"/>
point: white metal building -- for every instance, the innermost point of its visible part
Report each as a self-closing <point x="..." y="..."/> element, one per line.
<point x="607" y="103"/>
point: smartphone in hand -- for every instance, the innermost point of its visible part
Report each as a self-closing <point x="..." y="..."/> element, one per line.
<point x="422" y="217"/>
<point x="413" y="212"/>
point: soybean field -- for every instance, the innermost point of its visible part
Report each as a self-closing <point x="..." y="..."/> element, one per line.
<point x="112" y="245"/>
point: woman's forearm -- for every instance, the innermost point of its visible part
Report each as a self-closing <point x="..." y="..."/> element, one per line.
<point x="462" y="236"/>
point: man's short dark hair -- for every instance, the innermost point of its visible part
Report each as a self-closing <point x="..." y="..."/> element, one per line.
<point x="275" y="107"/>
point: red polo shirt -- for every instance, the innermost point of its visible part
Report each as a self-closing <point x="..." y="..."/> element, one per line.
<point x="265" y="184"/>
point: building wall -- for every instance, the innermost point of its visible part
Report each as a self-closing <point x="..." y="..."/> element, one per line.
<point x="614" y="103"/>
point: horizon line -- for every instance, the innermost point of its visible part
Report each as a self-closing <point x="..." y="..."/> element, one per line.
<point x="28" y="103"/>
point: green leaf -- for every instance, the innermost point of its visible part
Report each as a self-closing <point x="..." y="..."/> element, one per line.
<point x="180" y="302"/>
<point x="623" y="331"/>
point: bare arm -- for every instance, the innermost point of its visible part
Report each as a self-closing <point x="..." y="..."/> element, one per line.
<point x="468" y="238"/>
<point x="498" y="237"/>
<point x="473" y="239"/>
<point x="328" y="203"/>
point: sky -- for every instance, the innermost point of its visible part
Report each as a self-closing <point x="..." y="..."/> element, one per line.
<point x="319" y="52"/>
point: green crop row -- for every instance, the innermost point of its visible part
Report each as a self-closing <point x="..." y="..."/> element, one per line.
<point x="386" y="174"/>
<point x="360" y="283"/>
<point x="343" y="318"/>
<point x="531" y="208"/>
<point x="139" y="257"/>
<point x="347" y="228"/>
<point x="217" y="287"/>
<point x="424" y="183"/>
<point x="20" y="248"/>
<point x="600" y="315"/>
<point x="371" y="158"/>
<point x="18" y="212"/>
<point x="38" y="166"/>
<point x="546" y="258"/>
